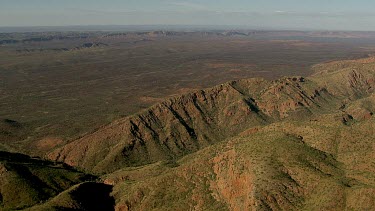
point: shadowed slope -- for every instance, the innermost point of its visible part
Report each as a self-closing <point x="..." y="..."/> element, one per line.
<point x="85" y="196"/>
<point x="25" y="181"/>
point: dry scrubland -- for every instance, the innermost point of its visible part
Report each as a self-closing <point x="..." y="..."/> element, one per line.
<point x="59" y="86"/>
<point x="285" y="143"/>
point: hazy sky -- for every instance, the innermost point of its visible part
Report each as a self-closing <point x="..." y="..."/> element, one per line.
<point x="277" y="14"/>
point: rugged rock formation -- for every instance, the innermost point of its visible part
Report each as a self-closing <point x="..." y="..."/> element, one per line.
<point x="290" y="144"/>
<point x="185" y="124"/>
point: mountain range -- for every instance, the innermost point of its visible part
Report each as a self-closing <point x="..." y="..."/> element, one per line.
<point x="295" y="143"/>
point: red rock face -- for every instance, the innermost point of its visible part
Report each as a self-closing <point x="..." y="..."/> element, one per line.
<point x="233" y="186"/>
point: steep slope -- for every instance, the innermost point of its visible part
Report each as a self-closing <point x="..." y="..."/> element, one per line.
<point x="352" y="79"/>
<point x="25" y="181"/>
<point x="262" y="171"/>
<point x="185" y="124"/>
<point x="323" y="163"/>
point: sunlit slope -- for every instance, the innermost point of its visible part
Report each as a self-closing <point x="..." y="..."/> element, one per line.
<point x="269" y="170"/>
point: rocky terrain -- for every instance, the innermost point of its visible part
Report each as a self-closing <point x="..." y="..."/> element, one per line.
<point x="295" y="143"/>
<point x="193" y="121"/>
<point x="185" y="124"/>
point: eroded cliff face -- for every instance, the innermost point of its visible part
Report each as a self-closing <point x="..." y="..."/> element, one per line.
<point x="185" y="124"/>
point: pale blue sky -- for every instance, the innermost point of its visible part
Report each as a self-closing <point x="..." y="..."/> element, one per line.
<point x="275" y="14"/>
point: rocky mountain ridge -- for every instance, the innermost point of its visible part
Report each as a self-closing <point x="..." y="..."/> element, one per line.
<point x="186" y="124"/>
<point x="290" y="144"/>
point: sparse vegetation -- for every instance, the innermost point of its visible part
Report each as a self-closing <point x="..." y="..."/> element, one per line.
<point x="64" y="94"/>
<point x="293" y="143"/>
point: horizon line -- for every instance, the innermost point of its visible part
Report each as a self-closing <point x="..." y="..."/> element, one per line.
<point x="187" y="26"/>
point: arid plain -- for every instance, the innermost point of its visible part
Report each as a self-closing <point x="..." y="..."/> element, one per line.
<point x="234" y="120"/>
